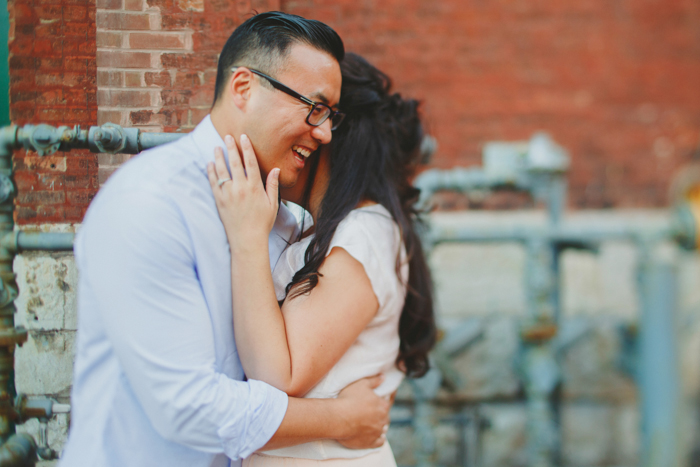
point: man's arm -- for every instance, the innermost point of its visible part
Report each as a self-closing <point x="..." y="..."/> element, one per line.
<point x="137" y="259"/>
<point x="357" y="418"/>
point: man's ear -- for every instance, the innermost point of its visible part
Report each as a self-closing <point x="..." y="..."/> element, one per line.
<point x="240" y="86"/>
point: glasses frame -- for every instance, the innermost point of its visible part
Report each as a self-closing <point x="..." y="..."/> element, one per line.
<point x="287" y="90"/>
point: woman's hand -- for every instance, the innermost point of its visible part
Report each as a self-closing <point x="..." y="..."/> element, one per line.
<point x="246" y="207"/>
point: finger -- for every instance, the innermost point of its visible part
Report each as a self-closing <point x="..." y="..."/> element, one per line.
<point x="249" y="159"/>
<point x="375" y="381"/>
<point x="234" y="160"/>
<point x="272" y="187"/>
<point x="220" y="164"/>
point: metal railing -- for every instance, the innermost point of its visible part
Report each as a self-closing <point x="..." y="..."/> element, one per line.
<point x="537" y="167"/>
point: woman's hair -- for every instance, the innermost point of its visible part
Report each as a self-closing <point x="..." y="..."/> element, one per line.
<point x="373" y="153"/>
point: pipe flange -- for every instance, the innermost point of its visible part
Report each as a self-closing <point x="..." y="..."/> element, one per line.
<point x="108" y="138"/>
<point x="7" y="188"/>
<point x="44" y="139"/>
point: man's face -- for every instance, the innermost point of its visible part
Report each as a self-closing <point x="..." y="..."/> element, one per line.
<point x="277" y="124"/>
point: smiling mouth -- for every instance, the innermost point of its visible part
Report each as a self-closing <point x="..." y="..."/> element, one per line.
<point x="302" y="152"/>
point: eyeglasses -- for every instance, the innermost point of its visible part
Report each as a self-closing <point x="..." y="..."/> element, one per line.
<point x="319" y="113"/>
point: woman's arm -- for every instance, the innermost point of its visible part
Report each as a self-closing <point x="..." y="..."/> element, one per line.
<point x="292" y="348"/>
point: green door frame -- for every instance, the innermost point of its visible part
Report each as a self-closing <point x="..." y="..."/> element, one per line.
<point x="4" y="64"/>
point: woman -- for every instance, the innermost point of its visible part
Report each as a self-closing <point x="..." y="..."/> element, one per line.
<point x="356" y="295"/>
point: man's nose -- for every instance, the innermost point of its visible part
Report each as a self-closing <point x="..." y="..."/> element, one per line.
<point x="322" y="133"/>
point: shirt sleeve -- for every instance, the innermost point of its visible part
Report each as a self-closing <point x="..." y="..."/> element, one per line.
<point x="139" y="262"/>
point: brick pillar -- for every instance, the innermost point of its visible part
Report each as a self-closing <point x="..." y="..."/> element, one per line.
<point x="156" y="61"/>
<point x="130" y="75"/>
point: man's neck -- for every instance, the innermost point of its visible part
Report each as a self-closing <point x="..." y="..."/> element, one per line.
<point x="223" y="123"/>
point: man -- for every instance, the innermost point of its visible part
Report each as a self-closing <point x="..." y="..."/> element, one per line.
<point x="157" y="377"/>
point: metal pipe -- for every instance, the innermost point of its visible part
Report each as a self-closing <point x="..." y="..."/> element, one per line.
<point x="659" y="375"/>
<point x="459" y="179"/>
<point x="151" y="140"/>
<point x="107" y="138"/>
<point x="54" y="241"/>
<point x="9" y="335"/>
<point x="561" y="233"/>
<point x="18" y="451"/>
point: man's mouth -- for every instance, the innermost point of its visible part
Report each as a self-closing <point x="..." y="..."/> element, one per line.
<point x="301" y="153"/>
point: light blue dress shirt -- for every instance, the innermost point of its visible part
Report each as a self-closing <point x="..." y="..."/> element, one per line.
<point x="158" y="381"/>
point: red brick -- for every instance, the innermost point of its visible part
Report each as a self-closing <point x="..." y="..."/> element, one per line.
<point x="46" y="163"/>
<point x="50" y="213"/>
<point x="25" y="214"/>
<point x="124" y="98"/>
<point x="109" y="59"/>
<point x="175" y="98"/>
<point x="134" y="5"/>
<point x="104" y="173"/>
<point x="111" y="116"/>
<point x="184" y="62"/>
<point x="140" y="117"/>
<point x="48" y="12"/>
<point x="25" y="180"/>
<point x="41" y="197"/>
<point x="109" y="39"/>
<point x="50" y="182"/>
<point x="80" y="197"/>
<point x="75" y="13"/>
<point x="161" y="79"/>
<point x="23" y="14"/>
<point x="109" y="4"/>
<point x="123" y="21"/>
<point x="156" y="40"/>
<point x="108" y="78"/>
<point x="50" y="97"/>
<point x="186" y="80"/>
<point x="78" y="28"/>
<point x="132" y="79"/>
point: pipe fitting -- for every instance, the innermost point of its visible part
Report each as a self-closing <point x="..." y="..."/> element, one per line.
<point x="18" y="451"/>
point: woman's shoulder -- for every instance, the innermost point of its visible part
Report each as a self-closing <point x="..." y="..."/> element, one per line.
<point x="370" y="217"/>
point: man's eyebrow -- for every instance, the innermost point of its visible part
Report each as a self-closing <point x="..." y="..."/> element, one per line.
<point x="320" y="97"/>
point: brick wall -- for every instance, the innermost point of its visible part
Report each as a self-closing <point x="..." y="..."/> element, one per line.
<point x="52" y="80"/>
<point x="156" y="61"/>
<point x="614" y="82"/>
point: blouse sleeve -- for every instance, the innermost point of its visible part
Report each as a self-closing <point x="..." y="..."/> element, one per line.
<point x="373" y="239"/>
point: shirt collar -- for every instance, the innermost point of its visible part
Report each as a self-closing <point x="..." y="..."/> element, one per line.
<point x="206" y="139"/>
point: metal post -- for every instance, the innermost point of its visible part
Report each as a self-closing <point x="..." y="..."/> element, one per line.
<point x="658" y="375"/>
<point x="537" y="362"/>
<point x="9" y="335"/>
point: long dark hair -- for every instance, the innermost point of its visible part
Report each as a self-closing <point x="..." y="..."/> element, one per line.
<point x="373" y="154"/>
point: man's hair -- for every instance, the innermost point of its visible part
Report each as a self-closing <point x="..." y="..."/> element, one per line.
<point x="262" y="42"/>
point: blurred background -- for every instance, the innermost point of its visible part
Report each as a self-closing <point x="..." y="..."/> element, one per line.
<point x="615" y="84"/>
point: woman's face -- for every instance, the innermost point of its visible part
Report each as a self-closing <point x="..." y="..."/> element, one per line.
<point x="295" y="194"/>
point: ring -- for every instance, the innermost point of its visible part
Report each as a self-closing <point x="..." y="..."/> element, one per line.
<point x="221" y="181"/>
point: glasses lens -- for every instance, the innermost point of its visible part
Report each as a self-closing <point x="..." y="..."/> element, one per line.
<point x="319" y="114"/>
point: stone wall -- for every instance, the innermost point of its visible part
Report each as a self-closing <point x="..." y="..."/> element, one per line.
<point x="479" y="282"/>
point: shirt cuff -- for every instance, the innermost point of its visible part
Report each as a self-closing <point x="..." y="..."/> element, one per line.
<point x="266" y="409"/>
